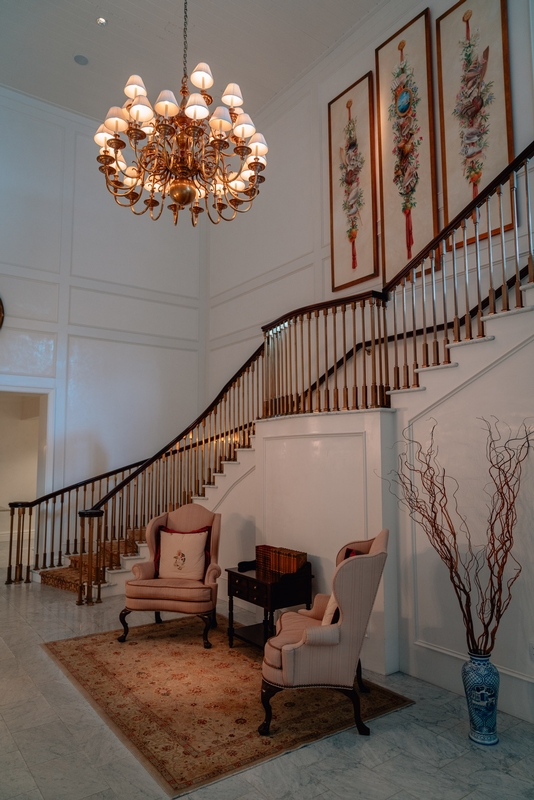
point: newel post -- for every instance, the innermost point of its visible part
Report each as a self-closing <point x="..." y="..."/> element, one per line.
<point x="91" y="533"/>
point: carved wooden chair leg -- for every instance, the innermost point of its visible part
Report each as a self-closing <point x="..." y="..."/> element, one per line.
<point x="361" y="685"/>
<point x="267" y="691"/>
<point x="214" y="618"/>
<point x="122" y="617"/>
<point x="158" y="617"/>
<point x="207" y="625"/>
<point x="363" y="730"/>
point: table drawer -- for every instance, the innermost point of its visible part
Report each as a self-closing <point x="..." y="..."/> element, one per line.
<point x="257" y="594"/>
<point x="248" y="589"/>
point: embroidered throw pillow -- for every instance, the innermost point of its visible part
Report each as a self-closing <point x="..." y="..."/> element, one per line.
<point x="182" y="554"/>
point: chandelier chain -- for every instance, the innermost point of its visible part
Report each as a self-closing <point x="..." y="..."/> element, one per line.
<point x="185" y="39"/>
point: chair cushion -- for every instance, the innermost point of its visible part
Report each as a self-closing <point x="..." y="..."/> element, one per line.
<point x="169" y="589"/>
<point x="291" y="632"/>
<point x="182" y="554"/>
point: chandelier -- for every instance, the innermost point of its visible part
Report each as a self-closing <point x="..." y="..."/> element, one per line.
<point x="177" y="150"/>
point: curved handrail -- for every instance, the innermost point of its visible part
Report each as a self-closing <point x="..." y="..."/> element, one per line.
<point x="302" y="366"/>
<point x="465" y="213"/>
<point x="72" y="487"/>
<point x="325" y="304"/>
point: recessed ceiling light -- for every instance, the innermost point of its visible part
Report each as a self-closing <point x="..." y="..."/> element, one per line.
<point x="101" y="21"/>
<point x="82" y="60"/>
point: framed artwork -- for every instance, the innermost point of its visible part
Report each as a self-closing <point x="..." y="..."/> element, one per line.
<point x="353" y="240"/>
<point x="475" y="104"/>
<point x="408" y="199"/>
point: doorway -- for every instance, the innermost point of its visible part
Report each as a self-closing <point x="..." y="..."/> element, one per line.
<point x="23" y="434"/>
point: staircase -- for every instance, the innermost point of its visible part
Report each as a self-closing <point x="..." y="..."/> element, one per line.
<point x="451" y="311"/>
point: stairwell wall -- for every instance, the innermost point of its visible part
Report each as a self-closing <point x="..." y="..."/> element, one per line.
<point x="277" y="258"/>
<point x="104" y="313"/>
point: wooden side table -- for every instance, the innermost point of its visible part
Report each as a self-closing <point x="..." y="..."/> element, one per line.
<point x="269" y="592"/>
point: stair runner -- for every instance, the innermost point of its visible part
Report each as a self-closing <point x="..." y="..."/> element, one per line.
<point x="68" y="577"/>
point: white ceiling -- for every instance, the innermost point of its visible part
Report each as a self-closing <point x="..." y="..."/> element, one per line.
<point x="263" y="45"/>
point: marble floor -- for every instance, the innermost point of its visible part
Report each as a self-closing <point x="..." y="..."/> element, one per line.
<point x="54" y="746"/>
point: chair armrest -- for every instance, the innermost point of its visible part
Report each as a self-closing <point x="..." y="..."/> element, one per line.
<point x="322" y="635"/>
<point x="143" y="571"/>
<point x="320" y="603"/>
<point x="212" y="573"/>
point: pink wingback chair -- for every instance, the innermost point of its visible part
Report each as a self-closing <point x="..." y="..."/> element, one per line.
<point x="321" y="647"/>
<point x="147" y="592"/>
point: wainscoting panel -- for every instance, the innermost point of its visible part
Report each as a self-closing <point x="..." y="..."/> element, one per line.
<point x="28" y="299"/>
<point x="27" y="353"/>
<point x="138" y="398"/>
<point x="326" y="504"/>
<point x="32" y="189"/>
<point x="132" y="315"/>
<point x="290" y="291"/>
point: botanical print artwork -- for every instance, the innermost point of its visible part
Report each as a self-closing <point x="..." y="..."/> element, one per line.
<point x="475" y="107"/>
<point x="408" y="195"/>
<point x="406" y="139"/>
<point x="353" y="237"/>
<point x="472" y="105"/>
<point x="351" y="165"/>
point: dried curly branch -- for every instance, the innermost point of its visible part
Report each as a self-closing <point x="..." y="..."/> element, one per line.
<point x="430" y="496"/>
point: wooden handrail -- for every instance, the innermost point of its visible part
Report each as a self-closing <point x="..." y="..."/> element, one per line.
<point x="72" y="487"/>
<point x="465" y="213"/>
<point x="301" y="367"/>
<point x="370" y="295"/>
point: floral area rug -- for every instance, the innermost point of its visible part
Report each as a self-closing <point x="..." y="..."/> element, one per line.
<point x="193" y="714"/>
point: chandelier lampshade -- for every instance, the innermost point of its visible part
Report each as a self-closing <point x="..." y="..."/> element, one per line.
<point x="178" y="150"/>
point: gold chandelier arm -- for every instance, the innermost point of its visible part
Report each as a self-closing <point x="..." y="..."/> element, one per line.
<point x="207" y="205"/>
<point x="228" y="219"/>
<point x="124" y="205"/>
<point x="138" y="213"/>
<point x="115" y="191"/>
<point x="162" y="206"/>
<point x="244" y="210"/>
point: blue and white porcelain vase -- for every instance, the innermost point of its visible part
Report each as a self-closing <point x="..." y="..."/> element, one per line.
<point x="481" y="683"/>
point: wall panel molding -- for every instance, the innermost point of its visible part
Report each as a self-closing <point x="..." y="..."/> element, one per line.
<point x="135" y="292"/>
<point x="246" y="335"/>
<point x="30" y="298"/>
<point x="111" y="311"/>
<point x="271" y="276"/>
<point x="28" y="353"/>
<point x="462" y="657"/>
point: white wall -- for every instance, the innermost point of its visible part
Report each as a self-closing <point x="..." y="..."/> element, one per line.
<point x="276" y="257"/>
<point x="103" y="311"/>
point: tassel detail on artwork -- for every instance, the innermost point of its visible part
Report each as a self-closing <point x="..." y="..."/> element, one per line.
<point x="409" y="232"/>
<point x="353" y="247"/>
